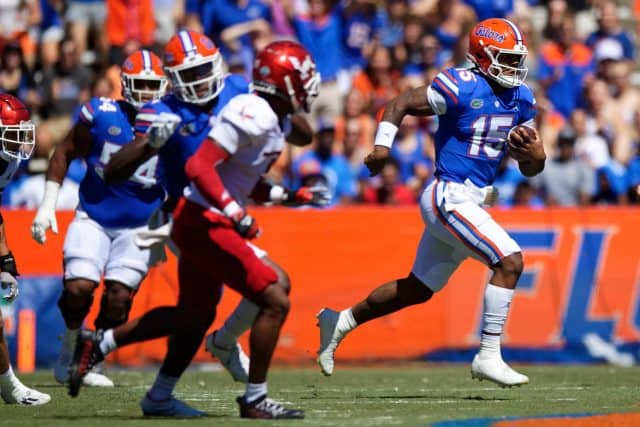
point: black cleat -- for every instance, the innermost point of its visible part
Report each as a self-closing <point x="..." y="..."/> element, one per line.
<point x="266" y="408"/>
<point x="86" y="355"/>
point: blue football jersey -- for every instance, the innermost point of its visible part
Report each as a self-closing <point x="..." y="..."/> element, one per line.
<point x="130" y="203"/>
<point x="193" y="129"/>
<point x="472" y="132"/>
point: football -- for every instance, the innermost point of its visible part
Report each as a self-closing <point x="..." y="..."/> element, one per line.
<point x="521" y="134"/>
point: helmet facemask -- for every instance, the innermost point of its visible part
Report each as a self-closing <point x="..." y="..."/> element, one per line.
<point x="204" y="75"/>
<point x="311" y="90"/>
<point x="507" y="65"/>
<point x="18" y="141"/>
<point x="140" y="89"/>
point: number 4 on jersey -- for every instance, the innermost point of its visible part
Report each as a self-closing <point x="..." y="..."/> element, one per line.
<point x="145" y="175"/>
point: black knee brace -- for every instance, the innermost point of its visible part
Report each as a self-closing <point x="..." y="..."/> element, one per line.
<point x="114" y="308"/>
<point x="71" y="311"/>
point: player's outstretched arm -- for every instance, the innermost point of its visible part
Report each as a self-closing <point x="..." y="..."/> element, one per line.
<point x="413" y="102"/>
<point x="76" y="144"/>
<point x="267" y="192"/>
<point x="150" y="138"/>
<point x="124" y="163"/>
<point x="301" y="133"/>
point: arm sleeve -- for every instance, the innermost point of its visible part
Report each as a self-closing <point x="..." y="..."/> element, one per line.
<point x="437" y="101"/>
<point x="201" y="170"/>
<point x="88" y="113"/>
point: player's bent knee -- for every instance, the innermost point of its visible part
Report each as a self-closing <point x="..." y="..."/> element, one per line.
<point x="79" y="287"/>
<point x="512" y="264"/>
<point x="275" y="301"/>
<point x="284" y="282"/>
<point x="73" y="307"/>
<point x="419" y="292"/>
<point x="283" y="277"/>
<point x="115" y="305"/>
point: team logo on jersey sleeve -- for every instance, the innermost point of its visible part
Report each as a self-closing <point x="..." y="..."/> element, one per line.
<point x="114" y="130"/>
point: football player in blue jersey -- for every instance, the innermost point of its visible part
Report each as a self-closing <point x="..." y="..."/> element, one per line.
<point x="484" y="112"/>
<point x="173" y="128"/>
<point x="100" y="240"/>
<point x="17" y="140"/>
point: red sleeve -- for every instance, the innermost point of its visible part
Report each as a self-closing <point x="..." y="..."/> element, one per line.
<point x="201" y="170"/>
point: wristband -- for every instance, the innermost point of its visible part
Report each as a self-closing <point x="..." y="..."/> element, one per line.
<point x="278" y="194"/>
<point x="386" y="134"/>
<point x="233" y="210"/>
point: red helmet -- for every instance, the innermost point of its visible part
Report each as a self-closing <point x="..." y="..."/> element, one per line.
<point x="497" y="47"/>
<point x="17" y="132"/>
<point x="286" y="69"/>
<point x="194" y="65"/>
<point x="143" y="79"/>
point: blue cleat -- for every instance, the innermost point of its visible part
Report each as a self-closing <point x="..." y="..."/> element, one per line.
<point x="171" y="407"/>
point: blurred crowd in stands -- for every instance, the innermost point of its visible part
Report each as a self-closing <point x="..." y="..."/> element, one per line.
<point x="56" y="54"/>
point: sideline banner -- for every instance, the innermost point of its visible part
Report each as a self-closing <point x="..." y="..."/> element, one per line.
<point x="578" y="299"/>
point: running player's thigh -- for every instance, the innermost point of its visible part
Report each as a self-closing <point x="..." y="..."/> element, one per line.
<point x="86" y="250"/>
<point x="127" y="264"/>
<point x="238" y="265"/>
<point x="436" y="260"/>
<point x="471" y="227"/>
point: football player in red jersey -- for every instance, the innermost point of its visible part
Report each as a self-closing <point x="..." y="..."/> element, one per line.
<point x="212" y="228"/>
<point x="17" y="136"/>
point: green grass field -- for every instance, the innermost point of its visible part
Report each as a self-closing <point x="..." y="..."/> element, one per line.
<point x="415" y="394"/>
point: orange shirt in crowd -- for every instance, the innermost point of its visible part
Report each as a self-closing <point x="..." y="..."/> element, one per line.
<point x="130" y="19"/>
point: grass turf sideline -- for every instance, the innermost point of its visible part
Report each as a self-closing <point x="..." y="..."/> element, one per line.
<point x="415" y="395"/>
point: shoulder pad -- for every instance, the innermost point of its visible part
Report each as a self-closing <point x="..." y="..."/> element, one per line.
<point x="250" y="114"/>
<point x="455" y="84"/>
<point x="237" y="82"/>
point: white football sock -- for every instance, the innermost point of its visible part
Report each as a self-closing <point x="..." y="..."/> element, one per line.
<point x="8" y="380"/>
<point x="255" y="391"/>
<point x="236" y="324"/>
<point x="496" y="307"/>
<point x="162" y="387"/>
<point x="346" y="322"/>
<point x="108" y="343"/>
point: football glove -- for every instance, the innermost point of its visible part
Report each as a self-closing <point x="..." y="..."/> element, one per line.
<point x="162" y="128"/>
<point x="317" y="195"/>
<point x="245" y="224"/>
<point x="46" y="216"/>
<point x="8" y="276"/>
<point x="8" y="281"/>
<point x="8" y="264"/>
